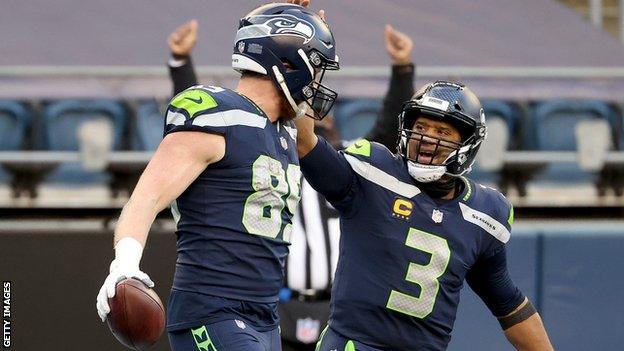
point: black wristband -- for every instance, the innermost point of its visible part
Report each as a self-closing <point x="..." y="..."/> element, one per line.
<point x="180" y="57"/>
<point x="520" y="316"/>
<point x="407" y="68"/>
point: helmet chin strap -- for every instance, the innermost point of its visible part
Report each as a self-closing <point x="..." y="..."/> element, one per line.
<point x="300" y="109"/>
<point x="425" y="173"/>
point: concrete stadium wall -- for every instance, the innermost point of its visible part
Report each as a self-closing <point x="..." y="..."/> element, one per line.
<point x="572" y="274"/>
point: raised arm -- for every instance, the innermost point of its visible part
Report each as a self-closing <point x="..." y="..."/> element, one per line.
<point x="521" y="323"/>
<point x="399" y="47"/>
<point x="181" y="43"/>
<point x="323" y="167"/>
<point x="178" y="161"/>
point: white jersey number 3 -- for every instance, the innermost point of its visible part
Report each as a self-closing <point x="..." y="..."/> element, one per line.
<point x="424" y="275"/>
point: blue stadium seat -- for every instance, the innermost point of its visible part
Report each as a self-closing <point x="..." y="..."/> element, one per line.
<point x="62" y="119"/>
<point x="15" y="120"/>
<point x="355" y="118"/>
<point x="554" y="124"/>
<point x="61" y="122"/>
<point x="510" y="115"/>
<point x="149" y="126"/>
<point x="555" y="121"/>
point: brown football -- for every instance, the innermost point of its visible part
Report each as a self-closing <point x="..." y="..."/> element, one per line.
<point x="137" y="316"/>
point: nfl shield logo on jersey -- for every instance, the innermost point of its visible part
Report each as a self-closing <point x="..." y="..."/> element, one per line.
<point x="437" y="216"/>
<point x="308" y="330"/>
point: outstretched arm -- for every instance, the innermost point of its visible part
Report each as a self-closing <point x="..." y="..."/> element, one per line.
<point x="181" y="43"/>
<point x="399" y="47"/>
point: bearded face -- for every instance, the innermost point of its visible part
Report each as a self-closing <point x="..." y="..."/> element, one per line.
<point x="432" y="141"/>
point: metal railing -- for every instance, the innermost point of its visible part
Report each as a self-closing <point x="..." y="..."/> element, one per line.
<point x="572" y="72"/>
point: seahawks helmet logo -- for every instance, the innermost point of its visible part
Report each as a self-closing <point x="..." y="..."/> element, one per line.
<point x="282" y="25"/>
<point x="269" y="25"/>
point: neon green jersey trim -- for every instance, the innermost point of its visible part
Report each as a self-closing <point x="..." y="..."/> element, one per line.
<point x="194" y="101"/>
<point x="350" y="346"/>
<point x="510" y="220"/>
<point x="469" y="191"/>
<point x="360" y="147"/>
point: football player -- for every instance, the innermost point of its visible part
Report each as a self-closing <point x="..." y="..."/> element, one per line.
<point x="228" y="165"/>
<point x="414" y="228"/>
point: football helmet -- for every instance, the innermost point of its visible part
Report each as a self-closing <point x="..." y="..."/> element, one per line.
<point x="294" y="47"/>
<point x="448" y="102"/>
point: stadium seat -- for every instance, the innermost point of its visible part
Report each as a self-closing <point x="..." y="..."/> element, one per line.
<point x="555" y="124"/>
<point x="355" y="118"/>
<point x="149" y="126"/>
<point x="62" y="124"/>
<point x="502" y="119"/>
<point x="15" y="120"/>
<point x="510" y="114"/>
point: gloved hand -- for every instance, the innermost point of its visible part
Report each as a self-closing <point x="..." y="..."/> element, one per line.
<point x="128" y="253"/>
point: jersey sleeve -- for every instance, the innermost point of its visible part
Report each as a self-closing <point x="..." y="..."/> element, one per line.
<point x="196" y="109"/>
<point x="489" y="278"/>
<point x="328" y="172"/>
<point x="503" y="217"/>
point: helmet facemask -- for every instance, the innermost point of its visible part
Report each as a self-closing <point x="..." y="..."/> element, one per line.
<point x="427" y="156"/>
<point x="451" y="103"/>
<point x="314" y="97"/>
<point x="318" y="97"/>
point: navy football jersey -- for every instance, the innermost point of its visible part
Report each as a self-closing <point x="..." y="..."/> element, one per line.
<point x="404" y="256"/>
<point x="233" y="223"/>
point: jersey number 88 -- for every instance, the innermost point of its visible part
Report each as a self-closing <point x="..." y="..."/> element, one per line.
<point x="262" y="214"/>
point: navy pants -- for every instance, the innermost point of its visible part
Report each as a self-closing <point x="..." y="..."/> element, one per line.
<point x="332" y="341"/>
<point x="228" y="335"/>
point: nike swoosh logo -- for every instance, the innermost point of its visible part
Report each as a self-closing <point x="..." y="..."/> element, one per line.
<point x="197" y="101"/>
<point x="357" y="145"/>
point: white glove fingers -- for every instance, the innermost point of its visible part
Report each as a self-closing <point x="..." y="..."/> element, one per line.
<point x="102" y="310"/>
<point x="102" y="304"/>
<point x="110" y="289"/>
<point x="147" y="280"/>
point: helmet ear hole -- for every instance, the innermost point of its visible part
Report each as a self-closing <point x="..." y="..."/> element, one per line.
<point x="458" y="106"/>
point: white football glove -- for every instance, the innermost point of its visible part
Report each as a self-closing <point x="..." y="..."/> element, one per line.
<point x="128" y="253"/>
